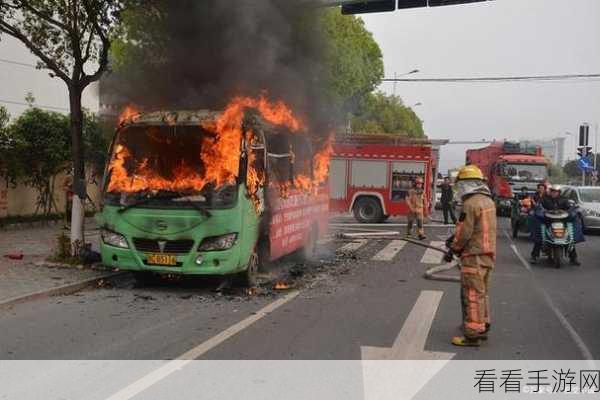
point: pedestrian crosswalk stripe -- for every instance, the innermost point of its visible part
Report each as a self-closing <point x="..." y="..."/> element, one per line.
<point x="353" y="246"/>
<point x="432" y="256"/>
<point x="389" y="251"/>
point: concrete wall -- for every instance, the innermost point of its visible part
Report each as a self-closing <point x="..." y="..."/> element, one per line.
<point x="21" y="200"/>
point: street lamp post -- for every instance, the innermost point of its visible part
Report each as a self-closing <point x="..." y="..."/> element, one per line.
<point x="396" y="76"/>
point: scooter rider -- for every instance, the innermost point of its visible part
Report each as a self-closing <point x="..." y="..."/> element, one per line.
<point x="552" y="202"/>
<point x="475" y="242"/>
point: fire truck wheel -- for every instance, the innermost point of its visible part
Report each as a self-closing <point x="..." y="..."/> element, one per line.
<point x="368" y="210"/>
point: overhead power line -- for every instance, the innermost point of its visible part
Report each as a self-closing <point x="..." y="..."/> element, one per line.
<point x="20" y="103"/>
<point x="22" y="64"/>
<point x="498" y="78"/>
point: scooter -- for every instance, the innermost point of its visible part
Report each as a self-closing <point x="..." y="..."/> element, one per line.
<point x="558" y="236"/>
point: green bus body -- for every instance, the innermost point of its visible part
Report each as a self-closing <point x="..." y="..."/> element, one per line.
<point x="183" y="225"/>
<point x="134" y="234"/>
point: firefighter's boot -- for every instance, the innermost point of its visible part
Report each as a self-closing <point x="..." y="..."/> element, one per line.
<point x="466" y="341"/>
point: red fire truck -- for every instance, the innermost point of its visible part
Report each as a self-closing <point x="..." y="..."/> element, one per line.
<point x="370" y="175"/>
<point x="510" y="167"/>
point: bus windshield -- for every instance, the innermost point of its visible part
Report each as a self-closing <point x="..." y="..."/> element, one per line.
<point x="171" y="166"/>
<point x="526" y="172"/>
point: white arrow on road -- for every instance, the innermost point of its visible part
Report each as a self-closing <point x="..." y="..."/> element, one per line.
<point x="404" y="379"/>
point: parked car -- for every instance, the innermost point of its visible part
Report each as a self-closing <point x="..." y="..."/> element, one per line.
<point x="587" y="199"/>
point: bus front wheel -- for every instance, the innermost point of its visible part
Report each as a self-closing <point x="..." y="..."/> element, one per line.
<point x="368" y="210"/>
<point x="249" y="277"/>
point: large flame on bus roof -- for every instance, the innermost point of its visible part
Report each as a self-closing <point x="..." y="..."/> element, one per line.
<point x="220" y="154"/>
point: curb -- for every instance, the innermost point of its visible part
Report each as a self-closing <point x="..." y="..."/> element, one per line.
<point x="69" y="288"/>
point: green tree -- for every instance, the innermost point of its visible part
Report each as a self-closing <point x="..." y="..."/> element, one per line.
<point x="70" y="38"/>
<point x="354" y="61"/>
<point x="95" y="139"/>
<point x="42" y="147"/>
<point x="556" y="174"/>
<point x="381" y="113"/>
<point x="571" y="169"/>
<point x="9" y="167"/>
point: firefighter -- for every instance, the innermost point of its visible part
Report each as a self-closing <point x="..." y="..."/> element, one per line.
<point x="416" y="209"/>
<point x="475" y="243"/>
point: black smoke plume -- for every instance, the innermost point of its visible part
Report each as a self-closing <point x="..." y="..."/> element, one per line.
<point x="198" y="54"/>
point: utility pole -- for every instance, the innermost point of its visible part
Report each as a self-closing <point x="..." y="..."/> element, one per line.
<point x="595" y="175"/>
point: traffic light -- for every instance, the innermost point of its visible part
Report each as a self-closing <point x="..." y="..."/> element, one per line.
<point x="584" y="151"/>
<point x="584" y="135"/>
<point x="372" y="6"/>
<point x="437" y="3"/>
<point x="369" y="6"/>
<point x="411" y="3"/>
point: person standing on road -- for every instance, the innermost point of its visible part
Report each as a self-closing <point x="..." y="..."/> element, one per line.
<point x="416" y="209"/>
<point x="475" y="243"/>
<point x="447" y="201"/>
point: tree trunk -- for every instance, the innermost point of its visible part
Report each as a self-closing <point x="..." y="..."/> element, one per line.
<point x="78" y="211"/>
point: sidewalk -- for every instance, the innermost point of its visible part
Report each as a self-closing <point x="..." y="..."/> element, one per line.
<point x="23" y="278"/>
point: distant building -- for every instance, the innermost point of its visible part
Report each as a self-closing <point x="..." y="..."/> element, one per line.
<point x="553" y="149"/>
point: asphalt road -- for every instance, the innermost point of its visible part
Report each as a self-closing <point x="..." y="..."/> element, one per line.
<point x="343" y="301"/>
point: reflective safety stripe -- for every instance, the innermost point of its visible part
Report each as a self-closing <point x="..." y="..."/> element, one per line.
<point x="485" y="226"/>
<point x="457" y="234"/>
<point x="470" y="270"/>
<point x="473" y="308"/>
<point x="475" y="326"/>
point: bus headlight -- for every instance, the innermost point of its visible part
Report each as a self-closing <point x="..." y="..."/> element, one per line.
<point x="114" y="239"/>
<point x="216" y="243"/>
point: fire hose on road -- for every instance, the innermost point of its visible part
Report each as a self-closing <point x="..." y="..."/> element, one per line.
<point x="433" y="273"/>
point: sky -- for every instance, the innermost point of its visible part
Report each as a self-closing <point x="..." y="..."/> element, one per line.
<point x="498" y="38"/>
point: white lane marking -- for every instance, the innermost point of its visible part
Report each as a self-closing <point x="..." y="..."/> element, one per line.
<point x="161" y="373"/>
<point x="369" y="234"/>
<point x="410" y="342"/>
<point x="353" y="246"/>
<point x="433" y="256"/>
<point x="520" y="257"/>
<point x="382" y="225"/>
<point x="389" y="251"/>
<point x="585" y="351"/>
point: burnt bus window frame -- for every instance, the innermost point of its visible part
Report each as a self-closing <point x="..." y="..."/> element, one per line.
<point x="114" y="199"/>
<point x="281" y="144"/>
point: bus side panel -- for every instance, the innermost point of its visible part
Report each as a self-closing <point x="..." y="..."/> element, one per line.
<point x="293" y="218"/>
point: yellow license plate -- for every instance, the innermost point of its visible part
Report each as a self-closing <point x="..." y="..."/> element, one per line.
<point x="161" y="259"/>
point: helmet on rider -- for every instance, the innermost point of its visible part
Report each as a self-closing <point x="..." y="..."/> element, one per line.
<point x="555" y="190"/>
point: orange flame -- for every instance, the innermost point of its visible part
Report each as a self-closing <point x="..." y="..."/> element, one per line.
<point x="280" y="285"/>
<point x="221" y="148"/>
<point x="130" y="113"/>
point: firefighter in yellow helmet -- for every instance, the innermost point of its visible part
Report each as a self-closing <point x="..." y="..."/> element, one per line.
<point x="475" y="243"/>
<point x="417" y="204"/>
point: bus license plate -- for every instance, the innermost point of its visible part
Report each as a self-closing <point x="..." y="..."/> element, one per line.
<point x="161" y="259"/>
